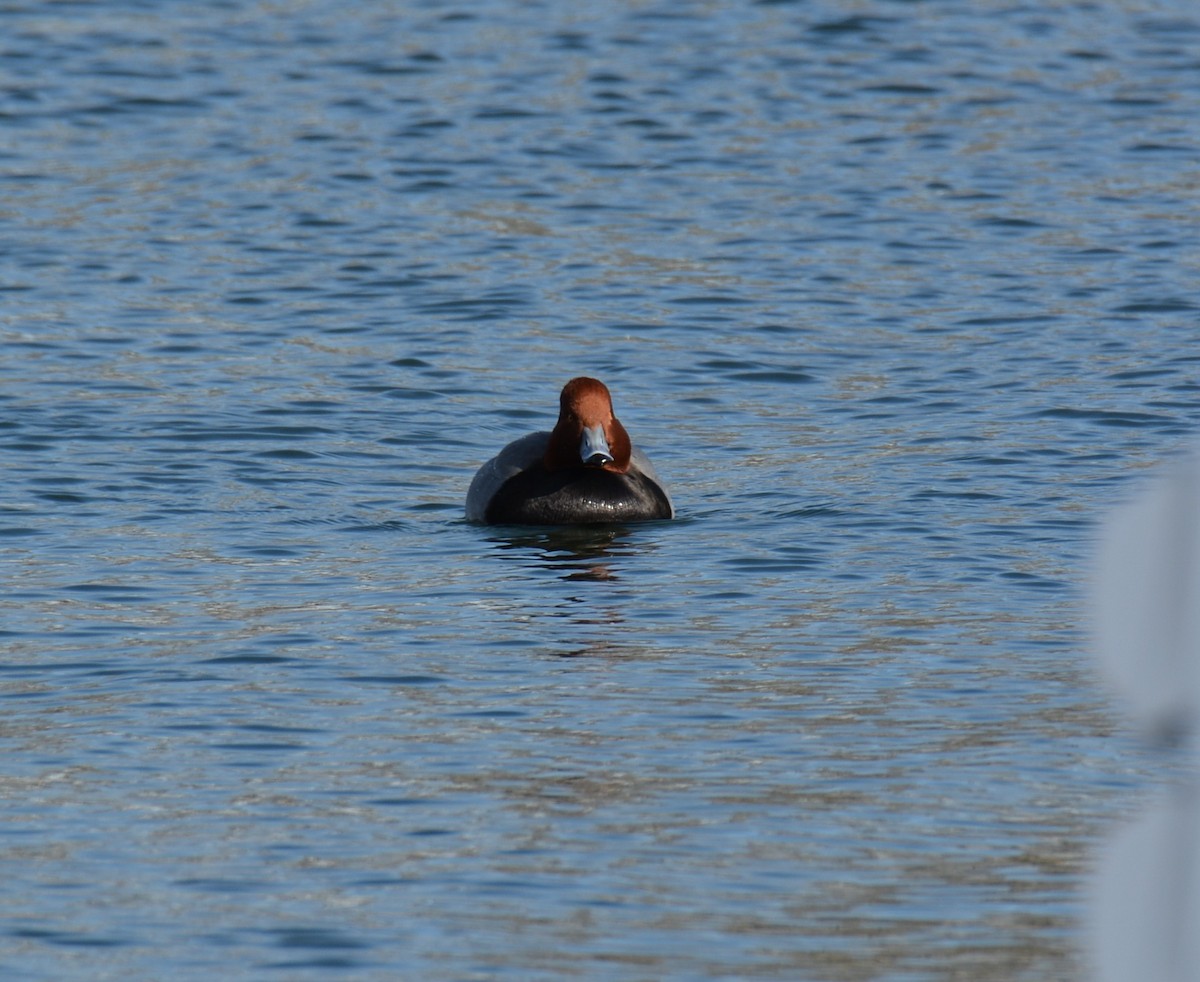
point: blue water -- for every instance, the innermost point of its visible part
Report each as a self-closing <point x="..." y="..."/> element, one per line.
<point x="900" y="298"/>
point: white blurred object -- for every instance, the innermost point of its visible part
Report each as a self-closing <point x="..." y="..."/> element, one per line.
<point x="1145" y="924"/>
<point x="1145" y="916"/>
<point x="1147" y="600"/>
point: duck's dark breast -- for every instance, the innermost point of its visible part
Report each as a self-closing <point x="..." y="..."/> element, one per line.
<point x="578" y="495"/>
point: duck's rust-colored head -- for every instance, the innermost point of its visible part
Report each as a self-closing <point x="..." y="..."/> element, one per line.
<point x="587" y="433"/>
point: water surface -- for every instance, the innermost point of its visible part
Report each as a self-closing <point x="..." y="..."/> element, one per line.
<point x="898" y="296"/>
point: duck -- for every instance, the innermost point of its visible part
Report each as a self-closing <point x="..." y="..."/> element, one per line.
<point x="584" y="471"/>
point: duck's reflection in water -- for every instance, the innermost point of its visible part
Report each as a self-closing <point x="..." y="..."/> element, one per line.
<point x="576" y="552"/>
<point x="576" y="555"/>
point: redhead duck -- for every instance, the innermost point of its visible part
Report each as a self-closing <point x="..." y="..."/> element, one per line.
<point x="585" y="471"/>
